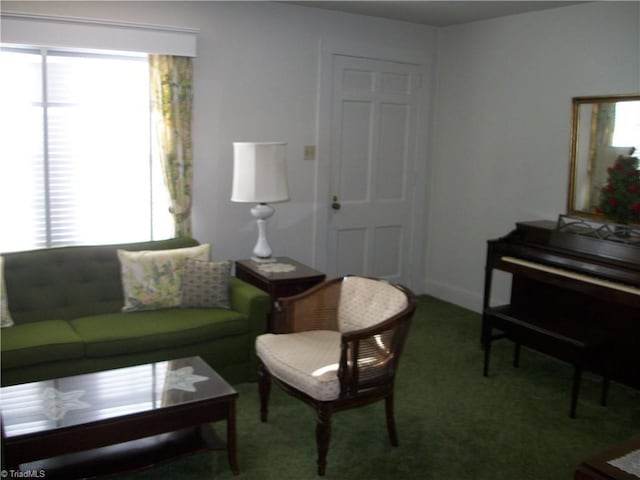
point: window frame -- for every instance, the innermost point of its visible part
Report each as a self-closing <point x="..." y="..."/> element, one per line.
<point x="44" y="103"/>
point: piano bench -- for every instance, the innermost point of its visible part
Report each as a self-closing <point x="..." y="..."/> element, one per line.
<point x="576" y="351"/>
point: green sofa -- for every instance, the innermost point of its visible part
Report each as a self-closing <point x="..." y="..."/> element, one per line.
<point x="67" y="307"/>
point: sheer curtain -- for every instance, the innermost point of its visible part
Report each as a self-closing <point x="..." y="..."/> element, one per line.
<point x="171" y="79"/>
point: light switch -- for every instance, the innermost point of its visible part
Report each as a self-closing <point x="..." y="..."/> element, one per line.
<point x="309" y="152"/>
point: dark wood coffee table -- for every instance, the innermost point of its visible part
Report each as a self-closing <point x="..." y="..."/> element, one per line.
<point x="598" y="467"/>
<point x="124" y="419"/>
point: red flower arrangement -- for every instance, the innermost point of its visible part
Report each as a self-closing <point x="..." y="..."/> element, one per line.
<point x="620" y="197"/>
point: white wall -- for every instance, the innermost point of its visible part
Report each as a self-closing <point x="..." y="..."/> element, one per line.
<point x="256" y="78"/>
<point x="502" y="124"/>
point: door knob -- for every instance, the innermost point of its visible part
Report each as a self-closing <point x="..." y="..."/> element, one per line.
<point x="336" y="204"/>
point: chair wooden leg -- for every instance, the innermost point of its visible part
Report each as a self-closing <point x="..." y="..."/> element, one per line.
<point x="323" y="435"/>
<point x="264" y="388"/>
<point x="391" y="421"/>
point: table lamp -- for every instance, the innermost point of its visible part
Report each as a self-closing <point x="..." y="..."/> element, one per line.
<point x="260" y="177"/>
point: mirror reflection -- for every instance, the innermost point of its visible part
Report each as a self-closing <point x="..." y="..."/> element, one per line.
<point x="603" y="128"/>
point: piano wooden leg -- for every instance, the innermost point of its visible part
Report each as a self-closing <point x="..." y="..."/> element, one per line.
<point x="516" y="355"/>
<point x="487" y="353"/>
<point x="575" y="390"/>
<point x="605" y="391"/>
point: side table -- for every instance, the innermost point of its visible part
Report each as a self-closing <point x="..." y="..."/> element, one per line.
<point x="279" y="284"/>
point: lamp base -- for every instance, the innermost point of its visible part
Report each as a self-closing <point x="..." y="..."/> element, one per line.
<point x="255" y="259"/>
<point x="262" y="212"/>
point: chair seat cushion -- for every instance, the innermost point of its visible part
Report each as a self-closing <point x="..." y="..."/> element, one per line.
<point x="308" y="361"/>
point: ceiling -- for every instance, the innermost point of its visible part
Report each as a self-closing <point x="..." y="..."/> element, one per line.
<point x="435" y="13"/>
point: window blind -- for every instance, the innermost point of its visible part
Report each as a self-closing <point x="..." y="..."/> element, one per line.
<point x="75" y="159"/>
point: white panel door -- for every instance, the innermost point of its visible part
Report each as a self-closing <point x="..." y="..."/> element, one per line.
<point x="373" y="117"/>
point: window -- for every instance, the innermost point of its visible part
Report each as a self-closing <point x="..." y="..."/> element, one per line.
<point x="627" y="126"/>
<point x="75" y="151"/>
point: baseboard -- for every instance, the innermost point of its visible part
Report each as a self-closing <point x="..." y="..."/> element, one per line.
<point x="458" y="296"/>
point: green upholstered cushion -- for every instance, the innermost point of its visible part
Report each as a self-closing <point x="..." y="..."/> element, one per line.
<point x="128" y="333"/>
<point x="33" y="343"/>
<point x="70" y="282"/>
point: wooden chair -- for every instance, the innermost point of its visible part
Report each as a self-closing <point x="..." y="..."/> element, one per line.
<point x="337" y="347"/>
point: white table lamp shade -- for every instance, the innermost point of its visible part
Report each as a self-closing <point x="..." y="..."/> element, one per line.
<point x="259" y="172"/>
<point x="260" y="176"/>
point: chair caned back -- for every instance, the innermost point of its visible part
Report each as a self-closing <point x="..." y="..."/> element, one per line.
<point x="304" y="312"/>
<point x="365" y="302"/>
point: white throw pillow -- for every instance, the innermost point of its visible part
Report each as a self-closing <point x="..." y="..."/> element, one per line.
<point x="5" y="315"/>
<point x="152" y="279"/>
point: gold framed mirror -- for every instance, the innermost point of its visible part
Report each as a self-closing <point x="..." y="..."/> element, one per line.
<point x="602" y="129"/>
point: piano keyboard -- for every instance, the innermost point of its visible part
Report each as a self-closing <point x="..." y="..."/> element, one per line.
<point x="573" y="275"/>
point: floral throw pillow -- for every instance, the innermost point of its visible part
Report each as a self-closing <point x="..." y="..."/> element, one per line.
<point x="152" y="279"/>
<point x="206" y="284"/>
<point x="5" y="316"/>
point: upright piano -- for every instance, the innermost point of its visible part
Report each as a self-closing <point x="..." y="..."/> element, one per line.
<point x="578" y="281"/>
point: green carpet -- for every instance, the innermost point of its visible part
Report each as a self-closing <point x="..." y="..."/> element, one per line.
<point x="453" y="423"/>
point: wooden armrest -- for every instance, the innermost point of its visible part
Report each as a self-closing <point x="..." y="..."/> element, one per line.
<point x="369" y="356"/>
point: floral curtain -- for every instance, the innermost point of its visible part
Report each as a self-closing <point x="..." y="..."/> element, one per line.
<point x="171" y="108"/>
<point x="603" y="117"/>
